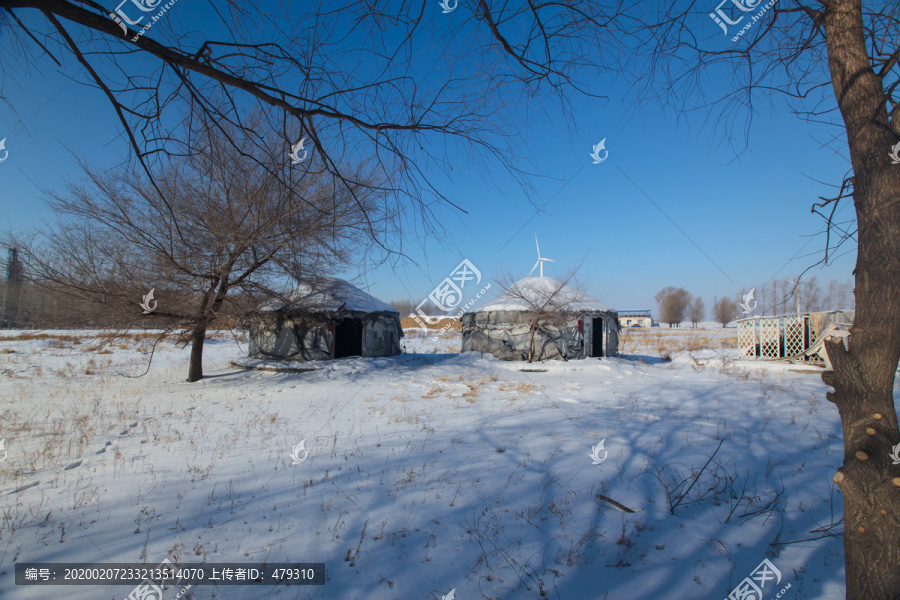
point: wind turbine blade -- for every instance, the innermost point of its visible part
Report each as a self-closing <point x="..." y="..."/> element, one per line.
<point x="538" y="247"/>
<point x="534" y="267"/>
<point x="548" y="259"/>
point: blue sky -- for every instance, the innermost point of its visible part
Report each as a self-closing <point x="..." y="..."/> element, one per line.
<point x="749" y="212"/>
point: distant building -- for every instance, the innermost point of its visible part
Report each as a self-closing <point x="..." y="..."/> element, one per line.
<point x="635" y="318"/>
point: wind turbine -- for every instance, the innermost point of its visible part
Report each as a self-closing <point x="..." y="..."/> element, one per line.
<point x="540" y="261"/>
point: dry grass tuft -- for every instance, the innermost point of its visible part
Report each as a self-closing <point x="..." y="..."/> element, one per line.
<point x="524" y="387"/>
<point x="453" y="322"/>
<point x="667" y="342"/>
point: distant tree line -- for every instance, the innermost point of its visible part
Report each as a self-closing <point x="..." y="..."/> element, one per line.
<point x="779" y="296"/>
<point x="406" y="307"/>
<point x="676" y="304"/>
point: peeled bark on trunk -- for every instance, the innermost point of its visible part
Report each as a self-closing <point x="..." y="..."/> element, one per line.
<point x="863" y="376"/>
<point x="198" y="337"/>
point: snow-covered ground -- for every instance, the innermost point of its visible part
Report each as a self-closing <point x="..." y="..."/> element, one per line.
<point x="427" y="472"/>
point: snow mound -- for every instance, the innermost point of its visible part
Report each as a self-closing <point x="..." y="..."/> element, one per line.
<point x="331" y="295"/>
<point x="530" y="291"/>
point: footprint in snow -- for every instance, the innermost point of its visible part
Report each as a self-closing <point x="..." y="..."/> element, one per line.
<point x="123" y="432"/>
<point x="133" y="424"/>
<point x="74" y="465"/>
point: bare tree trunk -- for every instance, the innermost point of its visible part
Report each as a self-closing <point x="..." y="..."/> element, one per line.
<point x="531" y="342"/>
<point x="863" y="377"/>
<point x="198" y="337"/>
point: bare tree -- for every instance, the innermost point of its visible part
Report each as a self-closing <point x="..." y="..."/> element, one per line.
<point x="698" y="311"/>
<point x="837" y="295"/>
<point x="778" y="296"/>
<point x="212" y="235"/>
<point x="843" y="296"/>
<point x="837" y="61"/>
<point x="673" y="304"/>
<point x="299" y="64"/>
<point x="799" y="49"/>
<point x="406" y="306"/>
<point x="548" y="303"/>
<point x="725" y="311"/>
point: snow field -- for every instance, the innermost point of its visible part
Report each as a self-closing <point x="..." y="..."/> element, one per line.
<point x="426" y="472"/>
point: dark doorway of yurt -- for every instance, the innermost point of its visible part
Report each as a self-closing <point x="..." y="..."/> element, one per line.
<point x="597" y="337"/>
<point x="348" y="338"/>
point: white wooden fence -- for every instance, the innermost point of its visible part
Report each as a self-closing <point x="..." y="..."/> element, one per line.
<point x="779" y="336"/>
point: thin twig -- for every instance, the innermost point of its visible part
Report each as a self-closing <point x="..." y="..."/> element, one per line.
<point x="696" y="477"/>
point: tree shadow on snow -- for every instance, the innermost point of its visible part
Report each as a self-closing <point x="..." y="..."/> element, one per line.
<point x="643" y="358"/>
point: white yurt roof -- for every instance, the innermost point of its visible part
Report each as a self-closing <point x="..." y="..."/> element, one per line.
<point x="538" y="289"/>
<point x="331" y="294"/>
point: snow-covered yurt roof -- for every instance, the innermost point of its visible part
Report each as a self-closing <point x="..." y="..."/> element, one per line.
<point x="329" y="295"/>
<point x="538" y="289"/>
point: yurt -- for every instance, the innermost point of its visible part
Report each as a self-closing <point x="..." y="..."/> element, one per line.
<point x="568" y="325"/>
<point x="330" y="319"/>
